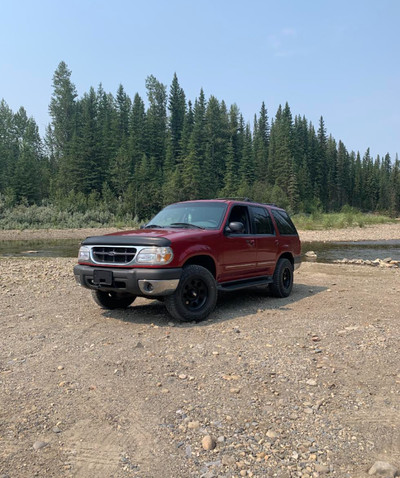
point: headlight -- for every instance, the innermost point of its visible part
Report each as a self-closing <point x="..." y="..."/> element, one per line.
<point x="84" y="253"/>
<point x="155" y="255"/>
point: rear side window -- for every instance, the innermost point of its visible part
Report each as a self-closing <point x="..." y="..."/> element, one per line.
<point x="284" y="223"/>
<point x="262" y="221"/>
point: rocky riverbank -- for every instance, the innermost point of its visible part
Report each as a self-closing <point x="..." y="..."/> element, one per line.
<point x="302" y="387"/>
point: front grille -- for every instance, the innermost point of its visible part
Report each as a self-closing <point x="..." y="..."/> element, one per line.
<point x="114" y="255"/>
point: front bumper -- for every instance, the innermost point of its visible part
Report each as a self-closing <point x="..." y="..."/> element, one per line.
<point x="141" y="282"/>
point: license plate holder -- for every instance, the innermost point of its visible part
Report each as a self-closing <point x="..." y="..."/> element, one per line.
<point x="101" y="277"/>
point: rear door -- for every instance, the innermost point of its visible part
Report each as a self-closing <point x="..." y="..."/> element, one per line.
<point x="266" y="240"/>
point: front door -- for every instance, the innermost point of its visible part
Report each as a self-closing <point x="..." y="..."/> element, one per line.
<point x="240" y="252"/>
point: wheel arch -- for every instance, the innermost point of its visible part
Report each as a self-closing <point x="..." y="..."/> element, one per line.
<point x="286" y="255"/>
<point x="205" y="261"/>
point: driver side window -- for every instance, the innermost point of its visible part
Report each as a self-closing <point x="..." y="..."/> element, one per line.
<point x="240" y="214"/>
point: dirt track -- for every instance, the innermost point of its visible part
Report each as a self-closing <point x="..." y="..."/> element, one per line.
<point x="286" y="387"/>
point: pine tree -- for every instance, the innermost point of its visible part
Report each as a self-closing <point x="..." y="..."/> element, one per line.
<point x="62" y="109"/>
<point x="246" y="167"/>
<point x="124" y="105"/>
<point x="156" y="122"/>
<point x="217" y="139"/>
<point x="320" y="165"/>
<point x="9" y="146"/>
<point x="177" y="110"/>
<point x="261" y="144"/>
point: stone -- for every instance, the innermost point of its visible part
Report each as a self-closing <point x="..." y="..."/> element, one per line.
<point x="208" y="443"/>
<point x="39" y="444"/>
<point x="311" y="254"/>
<point x="228" y="460"/>
<point x="384" y="469"/>
<point x="311" y="382"/>
<point x="193" y="425"/>
<point x="271" y="434"/>
<point x="321" y="468"/>
<point x="235" y="390"/>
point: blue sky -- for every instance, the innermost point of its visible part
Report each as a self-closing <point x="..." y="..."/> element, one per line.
<point x="339" y="59"/>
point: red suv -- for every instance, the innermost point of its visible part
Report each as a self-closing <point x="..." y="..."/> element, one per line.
<point x="188" y="252"/>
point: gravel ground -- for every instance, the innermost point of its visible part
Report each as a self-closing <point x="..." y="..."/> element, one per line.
<point x="306" y="386"/>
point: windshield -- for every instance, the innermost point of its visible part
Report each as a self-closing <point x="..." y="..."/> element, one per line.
<point x="207" y="215"/>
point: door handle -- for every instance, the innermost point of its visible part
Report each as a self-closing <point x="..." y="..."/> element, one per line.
<point x="251" y="242"/>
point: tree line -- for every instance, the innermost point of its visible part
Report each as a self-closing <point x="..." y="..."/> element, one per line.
<point x="136" y="157"/>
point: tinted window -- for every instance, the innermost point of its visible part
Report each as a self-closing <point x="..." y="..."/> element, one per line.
<point x="284" y="223"/>
<point x="262" y="221"/>
<point x="240" y="214"/>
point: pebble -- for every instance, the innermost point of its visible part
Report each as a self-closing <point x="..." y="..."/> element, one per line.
<point x="39" y="444"/>
<point x="321" y="468"/>
<point x="235" y="390"/>
<point x="193" y="425"/>
<point x="311" y="382"/>
<point x="208" y="443"/>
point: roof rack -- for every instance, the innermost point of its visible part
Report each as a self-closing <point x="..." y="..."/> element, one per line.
<point x="244" y="199"/>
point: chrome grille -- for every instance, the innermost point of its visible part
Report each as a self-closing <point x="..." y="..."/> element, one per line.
<point x="113" y="254"/>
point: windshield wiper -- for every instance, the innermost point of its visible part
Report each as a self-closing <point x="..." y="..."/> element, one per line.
<point x="152" y="226"/>
<point x="185" y="224"/>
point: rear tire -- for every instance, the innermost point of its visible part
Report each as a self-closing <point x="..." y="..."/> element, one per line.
<point x="283" y="279"/>
<point x="195" y="296"/>
<point x="112" y="300"/>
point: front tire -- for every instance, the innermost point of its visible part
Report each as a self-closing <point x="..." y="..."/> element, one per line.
<point x="195" y="297"/>
<point x="283" y="279"/>
<point x="112" y="300"/>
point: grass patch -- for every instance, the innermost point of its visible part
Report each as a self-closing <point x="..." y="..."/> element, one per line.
<point x="341" y="220"/>
<point x="50" y="217"/>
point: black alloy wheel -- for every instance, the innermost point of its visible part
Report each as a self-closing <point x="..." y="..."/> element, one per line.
<point x="195" y="296"/>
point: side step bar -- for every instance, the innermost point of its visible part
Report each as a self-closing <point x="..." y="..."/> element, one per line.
<point x="245" y="283"/>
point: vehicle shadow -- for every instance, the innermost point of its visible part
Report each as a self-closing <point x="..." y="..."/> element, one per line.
<point x="230" y="306"/>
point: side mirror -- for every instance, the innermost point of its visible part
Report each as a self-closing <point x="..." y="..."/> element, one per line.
<point x="235" y="227"/>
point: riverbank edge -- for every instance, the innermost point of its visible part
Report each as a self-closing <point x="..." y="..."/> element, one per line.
<point x="381" y="232"/>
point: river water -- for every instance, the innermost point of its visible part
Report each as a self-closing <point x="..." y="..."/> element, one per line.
<point x="326" y="251"/>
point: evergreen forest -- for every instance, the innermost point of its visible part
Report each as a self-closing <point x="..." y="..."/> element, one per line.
<point x="129" y="157"/>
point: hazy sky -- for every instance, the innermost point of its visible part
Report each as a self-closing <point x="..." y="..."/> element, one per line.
<point x="339" y="59"/>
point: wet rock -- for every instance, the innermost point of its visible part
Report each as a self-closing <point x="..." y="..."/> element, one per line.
<point x="311" y="254"/>
<point x="384" y="469"/>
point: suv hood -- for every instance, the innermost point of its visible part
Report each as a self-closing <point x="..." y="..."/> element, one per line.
<point x="144" y="237"/>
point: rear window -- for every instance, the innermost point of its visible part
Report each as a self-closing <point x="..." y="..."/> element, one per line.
<point x="262" y="221"/>
<point x="284" y="223"/>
